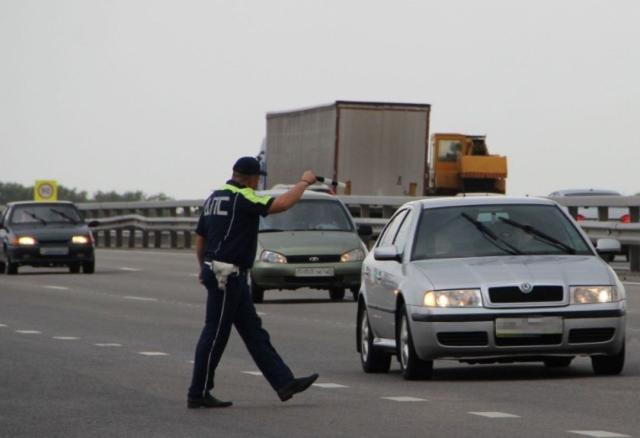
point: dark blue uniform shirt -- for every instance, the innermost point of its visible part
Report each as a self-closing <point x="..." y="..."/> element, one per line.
<point x="229" y="223"/>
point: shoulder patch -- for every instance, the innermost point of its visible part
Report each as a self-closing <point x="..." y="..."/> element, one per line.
<point x="248" y="193"/>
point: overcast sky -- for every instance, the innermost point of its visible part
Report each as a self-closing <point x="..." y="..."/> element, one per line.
<point x="163" y="96"/>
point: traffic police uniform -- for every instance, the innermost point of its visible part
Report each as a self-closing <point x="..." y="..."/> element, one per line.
<point x="229" y="223"/>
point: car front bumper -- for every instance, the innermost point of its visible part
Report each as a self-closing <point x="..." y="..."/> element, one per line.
<point x="283" y="275"/>
<point x="50" y="256"/>
<point x="586" y="330"/>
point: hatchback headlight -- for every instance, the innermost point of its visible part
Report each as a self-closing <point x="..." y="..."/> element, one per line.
<point x="593" y="294"/>
<point x="26" y="241"/>
<point x="453" y="298"/>
<point x="80" y="240"/>
<point x="272" y="257"/>
<point x="355" y="255"/>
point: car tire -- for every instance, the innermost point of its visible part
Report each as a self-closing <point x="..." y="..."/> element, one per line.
<point x="558" y="362"/>
<point x="89" y="267"/>
<point x="3" y="267"/>
<point x="74" y="269"/>
<point x="356" y="293"/>
<point x="372" y="358"/>
<point x="336" y="294"/>
<point x="257" y="293"/>
<point x="411" y="366"/>
<point x="12" y="268"/>
<point x="608" y="365"/>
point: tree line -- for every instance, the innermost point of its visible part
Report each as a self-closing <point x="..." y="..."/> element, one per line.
<point x="11" y="192"/>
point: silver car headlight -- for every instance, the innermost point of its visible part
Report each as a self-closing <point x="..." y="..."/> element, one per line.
<point x="593" y="294"/>
<point x="272" y="257"/>
<point x="355" y="255"/>
<point x="453" y="298"/>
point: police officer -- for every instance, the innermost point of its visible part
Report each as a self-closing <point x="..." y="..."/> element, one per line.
<point x="226" y="243"/>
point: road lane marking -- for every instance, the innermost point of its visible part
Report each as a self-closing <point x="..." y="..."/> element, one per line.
<point x="153" y="353"/>
<point x="126" y="268"/>
<point x="495" y="414"/>
<point x="253" y="373"/>
<point x="329" y="385"/>
<point x="597" y="433"/>
<point x="66" y="338"/>
<point x="404" y="399"/>
<point x="133" y="297"/>
<point x="107" y="344"/>
<point x="49" y="286"/>
<point x="261" y="313"/>
<point x="28" y="332"/>
<point x="191" y="361"/>
<point x="3" y="325"/>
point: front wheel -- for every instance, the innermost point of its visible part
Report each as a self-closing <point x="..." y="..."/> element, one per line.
<point x="12" y="268"/>
<point x="3" y="267"/>
<point x="608" y="365"/>
<point x="74" y="269"/>
<point x="411" y="366"/>
<point x="89" y="267"/>
<point x="257" y="293"/>
<point x="373" y="360"/>
<point x="336" y="294"/>
<point x="355" y="291"/>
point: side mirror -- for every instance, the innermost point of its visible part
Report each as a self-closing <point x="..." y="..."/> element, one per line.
<point x="387" y="253"/>
<point x="365" y="231"/>
<point x="608" y="246"/>
<point x="93" y="224"/>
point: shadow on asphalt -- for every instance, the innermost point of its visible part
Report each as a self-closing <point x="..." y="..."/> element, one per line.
<point x="514" y="372"/>
<point x="305" y="301"/>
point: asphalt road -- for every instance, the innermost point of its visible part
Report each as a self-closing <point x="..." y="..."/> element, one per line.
<point x="109" y="355"/>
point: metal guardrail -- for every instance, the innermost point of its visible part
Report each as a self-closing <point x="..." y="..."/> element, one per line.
<point x="171" y="223"/>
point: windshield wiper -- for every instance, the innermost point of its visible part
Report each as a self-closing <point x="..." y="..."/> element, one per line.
<point x="270" y="230"/>
<point x="540" y="236"/>
<point x="64" y="215"/>
<point x="491" y="236"/>
<point x="36" y="217"/>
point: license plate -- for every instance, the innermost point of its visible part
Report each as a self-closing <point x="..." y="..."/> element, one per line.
<point x="531" y="326"/>
<point x="54" y="251"/>
<point x="314" y="272"/>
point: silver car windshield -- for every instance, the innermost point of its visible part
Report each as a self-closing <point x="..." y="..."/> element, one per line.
<point x="491" y="230"/>
<point x="309" y="215"/>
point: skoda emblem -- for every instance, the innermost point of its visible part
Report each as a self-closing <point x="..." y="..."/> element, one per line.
<point x="314" y="259"/>
<point x="526" y="288"/>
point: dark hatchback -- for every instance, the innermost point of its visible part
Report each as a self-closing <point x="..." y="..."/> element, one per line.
<point x="44" y="234"/>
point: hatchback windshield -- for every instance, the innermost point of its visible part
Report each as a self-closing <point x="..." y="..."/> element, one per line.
<point x="490" y="230"/>
<point x="44" y="214"/>
<point x="309" y="215"/>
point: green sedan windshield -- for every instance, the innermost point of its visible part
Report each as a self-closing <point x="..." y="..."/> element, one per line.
<point x="309" y="215"/>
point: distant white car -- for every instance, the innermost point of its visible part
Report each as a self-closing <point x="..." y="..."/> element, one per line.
<point x="483" y="280"/>
<point x="591" y="213"/>
<point x="615" y="214"/>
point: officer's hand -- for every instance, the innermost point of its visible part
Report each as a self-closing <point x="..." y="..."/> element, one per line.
<point x="309" y="177"/>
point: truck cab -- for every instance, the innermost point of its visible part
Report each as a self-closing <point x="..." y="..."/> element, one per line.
<point x="462" y="164"/>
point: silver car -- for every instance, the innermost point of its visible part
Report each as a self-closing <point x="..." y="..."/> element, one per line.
<point x="484" y="280"/>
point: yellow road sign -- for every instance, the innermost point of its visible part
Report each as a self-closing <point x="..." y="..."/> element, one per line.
<point x="45" y="190"/>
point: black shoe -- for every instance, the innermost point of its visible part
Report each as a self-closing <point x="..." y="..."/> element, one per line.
<point x="208" y="401"/>
<point x="296" y="386"/>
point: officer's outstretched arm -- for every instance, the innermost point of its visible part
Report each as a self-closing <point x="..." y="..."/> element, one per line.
<point x="288" y="199"/>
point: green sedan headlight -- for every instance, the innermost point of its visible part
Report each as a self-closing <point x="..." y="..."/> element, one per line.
<point x="453" y="298"/>
<point x="593" y="294"/>
<point x="355" y="255"/>
<point x="272" y="257"/>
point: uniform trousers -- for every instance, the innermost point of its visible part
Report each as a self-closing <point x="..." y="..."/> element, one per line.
<point x="233" y="306"/>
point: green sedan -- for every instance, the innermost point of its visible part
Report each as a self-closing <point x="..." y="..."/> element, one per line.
<point x="314" y="245"/>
